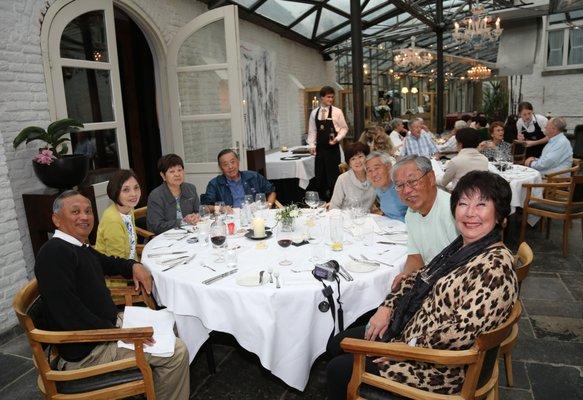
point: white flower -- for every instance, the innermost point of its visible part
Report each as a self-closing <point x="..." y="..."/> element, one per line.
<point x="294" y="213"/>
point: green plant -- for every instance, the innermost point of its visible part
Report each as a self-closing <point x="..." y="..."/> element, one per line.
<point x="495" y="102"/>
<point x="287" y="214"/>
<point x="52" y="136"/>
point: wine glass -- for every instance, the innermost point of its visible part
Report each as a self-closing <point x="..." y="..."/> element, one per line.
<point x="220" y="208"/>
<point x="218" y="234"/>
<point x="312" y="199"/>
<point x="315" y="238"/>
<point x="284" y="240"/>
<point x="204" y="213"/>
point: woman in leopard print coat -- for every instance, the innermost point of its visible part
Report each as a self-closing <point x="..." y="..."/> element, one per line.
<point x="469" y="300"/>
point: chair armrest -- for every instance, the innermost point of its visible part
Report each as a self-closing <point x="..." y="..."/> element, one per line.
<point x="406" y="352"/>
<point x="144" y="233"/>
<point x="546" y="185"/>
<point x="94" y="335"/>
<point x="87" y="372"/>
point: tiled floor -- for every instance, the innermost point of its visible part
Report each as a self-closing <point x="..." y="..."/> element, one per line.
<point x="548" y="359"/>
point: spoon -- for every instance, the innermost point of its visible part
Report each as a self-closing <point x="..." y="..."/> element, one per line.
<point x="276" y="274"/>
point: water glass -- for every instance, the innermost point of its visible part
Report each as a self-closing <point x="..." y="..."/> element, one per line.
<point x="220" y="208"/>
<point x="231" y="258"/>
<point x="336" y="232"/>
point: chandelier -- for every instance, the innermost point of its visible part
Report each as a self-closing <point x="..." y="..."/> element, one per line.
<point x="409" y="57"/>
<point x="477" y="30"/>
<point x="479" y="72"/>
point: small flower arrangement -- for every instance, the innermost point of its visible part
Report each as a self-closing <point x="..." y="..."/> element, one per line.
<point x="382" y="111"/>
<point x="287" y="215"/>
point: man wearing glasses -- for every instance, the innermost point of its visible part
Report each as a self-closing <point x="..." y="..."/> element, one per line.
<point x="430" y="224"/>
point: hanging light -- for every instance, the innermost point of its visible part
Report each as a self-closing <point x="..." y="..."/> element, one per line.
<point x="414" y="90"/>
<point x="477" y="30"/>
<point x="404" y="90"/>
<point x="410" y="57"/>
<point x="479" y="72"/>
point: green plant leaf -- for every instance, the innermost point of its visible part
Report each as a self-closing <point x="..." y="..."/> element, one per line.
<point x="62" y="140"/>
<point x="32" y="131"/>
<point x="62" y="127"/>
<point x="64" y="149"/>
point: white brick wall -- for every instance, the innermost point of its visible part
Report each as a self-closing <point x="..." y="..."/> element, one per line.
<point x="24" y="102"/>
<point x="558" y="94"/>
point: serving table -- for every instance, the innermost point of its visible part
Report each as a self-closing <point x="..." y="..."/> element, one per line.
<point x="284" y="326"/>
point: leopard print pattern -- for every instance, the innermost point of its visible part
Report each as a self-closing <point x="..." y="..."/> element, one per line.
<point x="471" y="300"/>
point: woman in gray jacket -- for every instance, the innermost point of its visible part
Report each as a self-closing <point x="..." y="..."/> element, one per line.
<point x="174" y="202"/>
<point x="352" y="187"/>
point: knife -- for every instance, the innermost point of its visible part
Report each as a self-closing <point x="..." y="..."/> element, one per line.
<point x="393" y="243"/>
<point x="219" y="277"/>
<point x="153" y="255"/>
<point x="180" y="262"/>
<point x="350" y="278"/>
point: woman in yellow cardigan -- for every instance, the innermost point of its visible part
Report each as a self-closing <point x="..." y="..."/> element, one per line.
<point x="116" y="234"/>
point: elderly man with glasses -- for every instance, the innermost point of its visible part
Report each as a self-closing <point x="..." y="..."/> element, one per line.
<point x="430" y="225"/>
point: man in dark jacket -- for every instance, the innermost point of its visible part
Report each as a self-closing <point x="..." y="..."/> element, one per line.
<point x="71" y="282"/>
<point x="232" y="185"/>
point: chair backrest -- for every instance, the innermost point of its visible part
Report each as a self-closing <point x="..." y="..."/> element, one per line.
<point x="140" y="215"/>
<point x="488" y="344"/>
<point x="576" y="189"/>
<point x="522" y="261"/>
<point x="29" y="310"/>
<point x="518" y="152"/>
<point x="256" y="161"/>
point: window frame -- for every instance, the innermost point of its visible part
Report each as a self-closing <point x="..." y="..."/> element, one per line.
<point x="566" y="43"/>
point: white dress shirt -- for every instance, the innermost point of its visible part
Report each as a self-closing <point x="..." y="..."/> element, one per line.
<point x="397" y="141"/>
<point x="66" y="237"/>
<point x="557" y="155"/>
<point x="540" y="120"/>
<point x="337" y="119"/>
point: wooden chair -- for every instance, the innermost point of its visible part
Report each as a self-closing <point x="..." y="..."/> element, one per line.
<point x="481" y="379"/>
<point x="140" y="215"/>
<point x="566" y="207"/>
<point x="523" y="260"/>
<point x="113" y="380"/>
<point x="518" y="152"/>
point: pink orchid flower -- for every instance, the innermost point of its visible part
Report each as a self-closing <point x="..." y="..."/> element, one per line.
<point x="44" y="157"/>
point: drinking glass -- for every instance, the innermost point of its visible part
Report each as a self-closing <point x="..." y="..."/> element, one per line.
<point x="315" y="238"/>
<point x="336" y="232"/>
<point x="284" y="240"/>
<point x="312" y="199"/>
<point x="218" y="234"/>
<point x="204" y="213"/>
<point x="220" y="208"/>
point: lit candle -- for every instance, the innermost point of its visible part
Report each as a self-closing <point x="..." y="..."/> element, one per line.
<point x="258" y="227"/>
<point x="498" y="23"/>
<point x="457" y="27"/>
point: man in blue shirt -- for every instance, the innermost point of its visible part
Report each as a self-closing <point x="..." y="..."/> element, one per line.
<point x="557" y="154"/>
<point x="378" y="171"/>
<point x="232" y="186"/>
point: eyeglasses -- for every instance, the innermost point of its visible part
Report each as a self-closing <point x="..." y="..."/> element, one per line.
<point x="411" y="183"/>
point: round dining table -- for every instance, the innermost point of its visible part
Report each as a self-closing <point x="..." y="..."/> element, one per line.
<point x="283" y="326"/>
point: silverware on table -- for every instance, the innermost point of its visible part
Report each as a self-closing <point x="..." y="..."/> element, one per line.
<point x="180" y="262"/>
<point x="173" y="259"/>
<point x="154" y="255"/>
<point x="219" y="277"/>
<point x="350" y="278"/>
<point x="377" y="261"/>
<point x="385" y="242"/>
<point x="364" y="261"/>
<point x="206" y="266"/>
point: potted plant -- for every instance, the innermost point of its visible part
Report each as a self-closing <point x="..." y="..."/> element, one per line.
<point x="52" y="165"/>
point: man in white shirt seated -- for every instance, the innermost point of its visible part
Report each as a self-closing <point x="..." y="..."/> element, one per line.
<point x="418" y="141"/>
<point x="557" y="154"/>
<point x="430" y="224"/>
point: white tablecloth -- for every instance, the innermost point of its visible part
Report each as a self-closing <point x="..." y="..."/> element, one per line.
<point x="516" y="176"/>
<point x="303" y="168"/>
<point x="282" y="326"/>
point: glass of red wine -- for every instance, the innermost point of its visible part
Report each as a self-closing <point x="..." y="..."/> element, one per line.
<point x="218" y="234"/>
<point x="284" y="240"/>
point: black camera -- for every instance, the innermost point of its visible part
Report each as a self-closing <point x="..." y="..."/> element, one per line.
<point x="326" y="271"/>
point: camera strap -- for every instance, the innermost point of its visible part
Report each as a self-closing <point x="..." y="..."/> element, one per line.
<point x="328" y="292"/>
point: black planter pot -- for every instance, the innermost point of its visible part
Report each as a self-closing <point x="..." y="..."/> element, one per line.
<point x="64" y="172"/>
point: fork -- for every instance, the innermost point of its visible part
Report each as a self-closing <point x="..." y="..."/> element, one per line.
<point x="206" y="266"/>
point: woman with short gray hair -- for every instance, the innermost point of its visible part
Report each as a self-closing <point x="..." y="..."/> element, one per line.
<point x="397" y="134"/>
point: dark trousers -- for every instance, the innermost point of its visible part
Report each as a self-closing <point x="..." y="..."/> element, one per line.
<point x="326" y="169"/>
<point x="339" y="369"/>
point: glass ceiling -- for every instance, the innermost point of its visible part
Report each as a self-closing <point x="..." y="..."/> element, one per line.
<point x="386" y="24"/>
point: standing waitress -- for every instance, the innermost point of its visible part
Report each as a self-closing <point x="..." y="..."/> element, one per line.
<point x="326" y="129"/>
<point x="530" y="128"/>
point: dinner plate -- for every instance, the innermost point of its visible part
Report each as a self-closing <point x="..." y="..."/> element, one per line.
<point x="248" y="280"/>
<point x="249" y="235"/>
<point x="354" y="266"/>
<point x="289" y="158"/>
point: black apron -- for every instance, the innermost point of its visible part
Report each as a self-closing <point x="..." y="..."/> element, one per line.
<point x="327" y="155"/>
<point x="533" y="151"/>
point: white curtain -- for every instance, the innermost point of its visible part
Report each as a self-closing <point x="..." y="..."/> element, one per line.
<point x="575" y="46"/>
<point x="555" y="57"/>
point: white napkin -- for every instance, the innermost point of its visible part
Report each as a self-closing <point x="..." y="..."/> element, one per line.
<point x="163" y="323"/>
